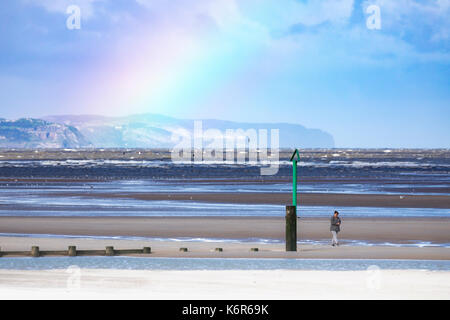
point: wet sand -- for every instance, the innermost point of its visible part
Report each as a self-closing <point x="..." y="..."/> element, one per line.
<point x="398" y="230"/>
<point x="306" y="199"/>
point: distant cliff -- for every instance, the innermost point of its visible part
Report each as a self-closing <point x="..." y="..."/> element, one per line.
<point x="37" y="133"/>
<point x="155" y="131"/>
<point x="137" y="131"/>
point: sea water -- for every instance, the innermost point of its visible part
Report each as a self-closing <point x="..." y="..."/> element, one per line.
<point x="77" y="206"/>
<point x="140" y="263"/>
<point x="359" y="171"/>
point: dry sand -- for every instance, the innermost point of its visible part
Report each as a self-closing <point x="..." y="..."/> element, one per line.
<point x="232" y="284"/>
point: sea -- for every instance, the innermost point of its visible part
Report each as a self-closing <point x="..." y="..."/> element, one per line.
<point x="53" y="182"/>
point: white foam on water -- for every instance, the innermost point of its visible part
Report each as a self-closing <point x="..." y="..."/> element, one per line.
<point x="326" y="242"/>
<point x="162" y="163"/>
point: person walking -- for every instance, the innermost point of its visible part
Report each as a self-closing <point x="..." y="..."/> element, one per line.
<point x="335" y="228"/>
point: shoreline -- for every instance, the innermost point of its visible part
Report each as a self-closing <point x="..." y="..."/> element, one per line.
<point x="170" y="249"/>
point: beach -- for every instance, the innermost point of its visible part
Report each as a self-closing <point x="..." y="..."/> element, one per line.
<point x="236" y="235"/>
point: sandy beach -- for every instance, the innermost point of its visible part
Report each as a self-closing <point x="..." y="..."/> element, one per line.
<point x="242" y="229"/>
<point x="225" y="284"/>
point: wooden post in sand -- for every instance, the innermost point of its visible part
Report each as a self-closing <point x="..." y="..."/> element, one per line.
<point x="109" y="251"/>
<point x="35" y="251"/>
<point x="72" y="252"/>
<point x="291" y="228"/>
<point x="147" y="250"/>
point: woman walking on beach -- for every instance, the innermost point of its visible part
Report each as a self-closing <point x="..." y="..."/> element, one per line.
<point x="335" y="228"/>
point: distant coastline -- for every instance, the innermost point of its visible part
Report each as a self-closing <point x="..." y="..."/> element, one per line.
<point x="136" y="131"/>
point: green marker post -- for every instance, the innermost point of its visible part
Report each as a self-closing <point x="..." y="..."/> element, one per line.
<point x="294" y="176"/>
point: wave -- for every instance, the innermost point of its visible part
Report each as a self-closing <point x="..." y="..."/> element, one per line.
<point x="161" y="163"/>
<point x="322" y="242"/>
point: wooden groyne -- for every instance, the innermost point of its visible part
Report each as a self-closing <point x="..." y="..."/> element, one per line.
<point x="72" y="252"/>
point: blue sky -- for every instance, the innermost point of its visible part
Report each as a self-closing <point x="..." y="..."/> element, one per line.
<point x="315" y="63"/>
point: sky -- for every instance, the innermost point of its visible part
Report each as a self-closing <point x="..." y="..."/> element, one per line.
<point x="373" y="73"/>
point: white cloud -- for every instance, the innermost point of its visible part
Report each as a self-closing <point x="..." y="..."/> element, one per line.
<point x="223" y="19"/>
<point x="60" y="6"/>
<point x="316" y="12"/>
<point x="415" y="18"/>
<point x="224" y="12"/>
<point x="262" y="15"/>
<point x="276" y="15"/>
<point x="256" y="21"/>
